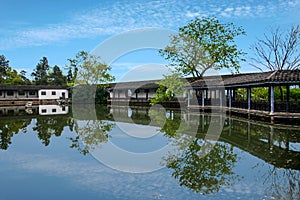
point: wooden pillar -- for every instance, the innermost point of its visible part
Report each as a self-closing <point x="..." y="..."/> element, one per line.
<point x="233" y="94"/>
<point x="189" y="98"/>
<point x="249" y="97"/>
<point x="202" y="97"/>
<point x="287" y="98"/>
<point x="147" y="93"/>
<point x="221" y="97"/>
<point x="272" y="100"/>
<point x="230" y="98"/>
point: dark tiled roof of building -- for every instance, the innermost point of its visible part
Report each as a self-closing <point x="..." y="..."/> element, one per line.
<point x="285" y="75"/>
<point x="30" y="87"/>
<point x="134" y="85"/>
<point x="259" y="78"/>
<point x="230" y="80"/>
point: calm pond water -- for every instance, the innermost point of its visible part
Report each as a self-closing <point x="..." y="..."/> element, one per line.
<point x="97" y="152"/>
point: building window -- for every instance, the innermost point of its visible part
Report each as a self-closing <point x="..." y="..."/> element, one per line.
<point x="54" y="110"/>
<point x="31" y="93"/>
<point x="10" y="93"/>
<point x="43" y="93"/>
<point x="44" y="111"/>
<point x="53" y="93"/>
<point x="21" y="93"/>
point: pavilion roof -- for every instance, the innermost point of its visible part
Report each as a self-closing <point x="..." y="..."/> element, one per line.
<point x="249" y="79"/>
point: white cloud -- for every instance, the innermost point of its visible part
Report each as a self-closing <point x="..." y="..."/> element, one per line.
<point x="121" y="16"/>
<point x="90" y="176"/>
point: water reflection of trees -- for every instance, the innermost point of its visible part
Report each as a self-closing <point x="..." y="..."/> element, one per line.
<point x="201" y="165"/>
<point x="91" y="133"/>
<point x="8" y="128"/>
<point x="282" y="183"/>
<point x="91" y="127"/>
<point x="46" y="127"/>
<point x="204" y="174"/>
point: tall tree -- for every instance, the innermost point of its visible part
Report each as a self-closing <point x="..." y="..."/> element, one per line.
<point x="57" y="77"/>
<point x="204" y="44"/>
<point x="72" y="70"/>
<point x="4" y="66"/>
<point x="91" y="76"/>
<point x="280" y="50"/>
<point x="41" y="71"/>
<point x="25" y="80"/>
<point x="91" y="70"/>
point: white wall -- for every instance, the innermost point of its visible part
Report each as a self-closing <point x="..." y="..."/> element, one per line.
<point x="49" y="95"/>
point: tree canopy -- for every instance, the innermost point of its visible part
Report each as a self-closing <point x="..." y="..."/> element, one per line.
<point x="91" y="70"/>
<point x="40" y="74"/>
<point x="170" y="87"/>
<point x="204" y="44"/>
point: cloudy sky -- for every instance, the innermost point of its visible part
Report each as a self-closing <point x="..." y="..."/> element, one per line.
<point x="31" y="29"/>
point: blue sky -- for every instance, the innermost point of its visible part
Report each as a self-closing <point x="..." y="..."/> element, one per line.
<point x="31" y="29"/>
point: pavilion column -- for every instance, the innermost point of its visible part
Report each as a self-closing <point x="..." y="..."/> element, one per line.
<point x="249" y="97"/>
<point x="189" y="98"/>
<point x="202" y="97"/>
<point x="287" y="98"/>
<point x="221" y="97"/>
<point x="233" y="94"/>
<point x="147" y="93"/>
<point x="272" y="100"/>
<point x="230" y="98"/>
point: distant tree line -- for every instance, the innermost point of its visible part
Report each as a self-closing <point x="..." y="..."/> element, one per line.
<point x="44" y="74"/>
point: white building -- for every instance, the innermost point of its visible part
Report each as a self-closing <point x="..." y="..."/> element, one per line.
<point x="37" y="92"/>
<point x="53" y="94"/>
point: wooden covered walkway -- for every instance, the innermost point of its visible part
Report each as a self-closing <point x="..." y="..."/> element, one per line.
<point x="226" y="91"/>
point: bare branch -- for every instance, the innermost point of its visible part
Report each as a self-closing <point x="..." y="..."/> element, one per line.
<point x="279" y="50"/>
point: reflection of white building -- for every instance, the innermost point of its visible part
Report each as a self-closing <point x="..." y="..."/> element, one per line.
<point x="53" y="110"/>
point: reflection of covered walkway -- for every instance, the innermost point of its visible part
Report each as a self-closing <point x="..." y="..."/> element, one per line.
<point x="271" y="143"/>
<point x="235" y="93"/>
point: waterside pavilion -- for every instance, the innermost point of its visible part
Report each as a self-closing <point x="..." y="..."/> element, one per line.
<point x="222" y="91"/>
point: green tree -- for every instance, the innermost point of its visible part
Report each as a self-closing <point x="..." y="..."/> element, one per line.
<point x="40" y="74"/>
<point x="56" y="77"/>
<point x="72" y="70"/>
<point x="13" y="77"/>
<point x="25" y="80"/>
<point x="170" y="87"/>
<point x="91" y="70"/>
<point x="92" y="75"/>
<point x="4" y="66"/>
<point x="204" y="44"/>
